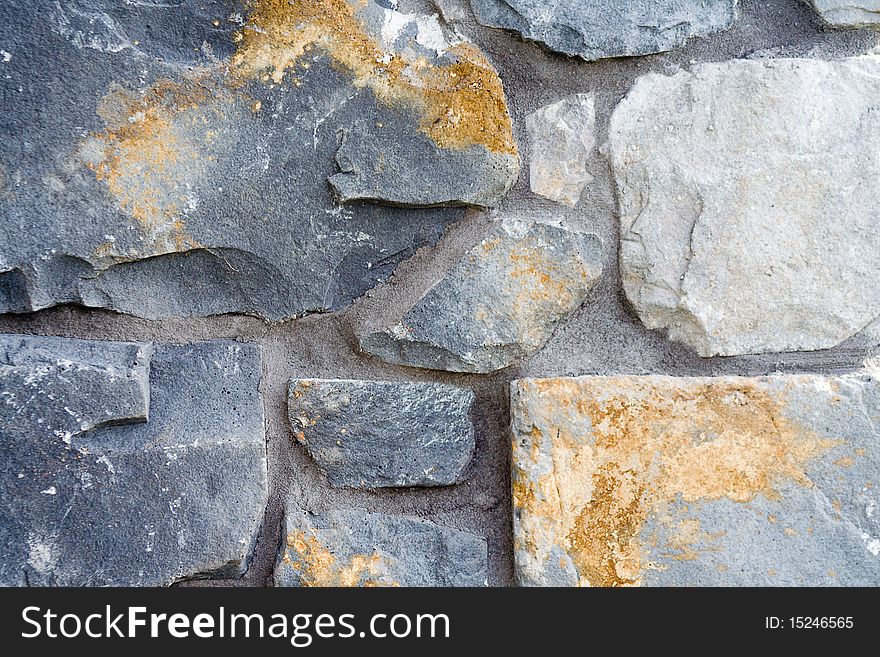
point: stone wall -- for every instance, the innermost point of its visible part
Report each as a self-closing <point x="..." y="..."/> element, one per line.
<point x="579" y="293"/>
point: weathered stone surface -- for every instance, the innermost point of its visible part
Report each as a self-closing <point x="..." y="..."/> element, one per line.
<point x="748" y="203"/>
<point x="597" y="29"/>
<point x="128" y="464"/>
<point x="849" y="13"/>
<point x="377" y="434"/>
<point x="563" y="137"/>
<point x="185" y="158"/>
<point x="697" y="481"/>
<point x="354" y="548"/>
<point x="497" y="305"/>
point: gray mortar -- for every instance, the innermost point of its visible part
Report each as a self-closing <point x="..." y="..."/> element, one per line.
<point x="603" y="337"/>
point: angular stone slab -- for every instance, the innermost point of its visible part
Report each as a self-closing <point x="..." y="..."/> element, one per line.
<point x="849" y="13"/>
<point x="179" y="159"/>
<point x="598" y="29"/>
<point x="497" y="305"/>
<point x="563" y="136"/>
<point x="748" y="203"/>
<point x="378" y="434"/>
<point x="128" y="464"/>
<point x="355" y="548"/>
<point x="730" y="481"/>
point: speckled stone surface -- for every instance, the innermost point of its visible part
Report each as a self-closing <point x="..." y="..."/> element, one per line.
<point x="128" y="464"/>
<point x="197" y="159"/>
<point x="498" y="304"/>
<point x="381" y="434"/>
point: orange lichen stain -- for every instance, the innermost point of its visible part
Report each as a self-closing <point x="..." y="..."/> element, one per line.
<point x="315" y="565"/>
<point x="687" y="540"/>
<point x="789" y="531"/>
<point x="616" y="452"/>
<point x="460" y="104"/>
<point x="844" y="462"/>
<point x="144" y="158"/>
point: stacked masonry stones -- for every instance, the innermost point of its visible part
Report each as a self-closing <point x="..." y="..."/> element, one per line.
<point x="279" y="159"/>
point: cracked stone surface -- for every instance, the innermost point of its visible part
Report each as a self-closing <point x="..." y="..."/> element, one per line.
<point x="748" y="209"/>
<point x="378" y="434"/>
<point x="563" y="136"/>
<point x="498" y="304"/>
<point x="128" y="464"/>
<point x="200" y="158"/>
<point x="849" y="13"/>
<point x="599" y="29"/>
<point x="354" y="548"/>
<point x="727" y="481"/>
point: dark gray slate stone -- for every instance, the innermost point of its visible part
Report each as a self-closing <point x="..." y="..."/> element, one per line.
<point x="354" y="548"/>
<point x="128" y="464"/>
<point x="149" y="168"/>
<point x="376" y="434"/>
<point x="687" y="481"/>
<point x="497" y="305"/>
<point x="598" y="29"/>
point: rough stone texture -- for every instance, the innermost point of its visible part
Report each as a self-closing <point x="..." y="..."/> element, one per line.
<point x="849" y="13"/>
<point x="563" y="136"/>
<point x="128" y="464"/>
<point x="603" y="336"/>
<point x="378" y="434"/>
<point x="665" y="481"/>
<point x="353" y="548"/>
<point x="597" y="29"/>
<point x="184" y="158"/>
<point x="748" y="203"/>
<point x="498" y="304"/>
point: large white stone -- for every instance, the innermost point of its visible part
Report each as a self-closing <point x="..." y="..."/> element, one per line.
<point x="749" y="203"/>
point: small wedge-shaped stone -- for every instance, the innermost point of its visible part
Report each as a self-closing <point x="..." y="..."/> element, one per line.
<point x="376" y="434"/>
<point x="563" y="136"/>
<point x="128" y="464"/>
<point x="731" y="481"/>
<point x="849" y="13"/>
<point x="355" y="548"/>
<point x="597" y="29"/>
<point x="748" y="202"/>
<point x="498" y="304"/>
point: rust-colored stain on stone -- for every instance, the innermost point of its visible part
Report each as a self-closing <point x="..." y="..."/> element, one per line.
<point x="315" y="565"/>
<point x="155" y="141"/>
<point x="149" y="153"/>
<point x="596" y="458"/>
<point x="460" y="104"/>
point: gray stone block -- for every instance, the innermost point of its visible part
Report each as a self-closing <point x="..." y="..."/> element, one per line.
<point x="178" y="159"/>
<point x="729" y="481"/>
<point x="598" y="29"/>
<point x="128" y="464"/>
<point x="498" y="304"/>
<point x="849" y="14"/>
<point x="354" y="548"/>
<point x="377" y="434"/>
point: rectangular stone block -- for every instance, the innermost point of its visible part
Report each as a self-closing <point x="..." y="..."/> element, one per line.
<point x="655" y="480"/>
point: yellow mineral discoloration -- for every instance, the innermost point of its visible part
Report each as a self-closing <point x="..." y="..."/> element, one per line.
<point x="615" y="453"/>
<point x="460" y="104"/>
<point x="147" y="156"/>
<point x="315" y="565"/>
